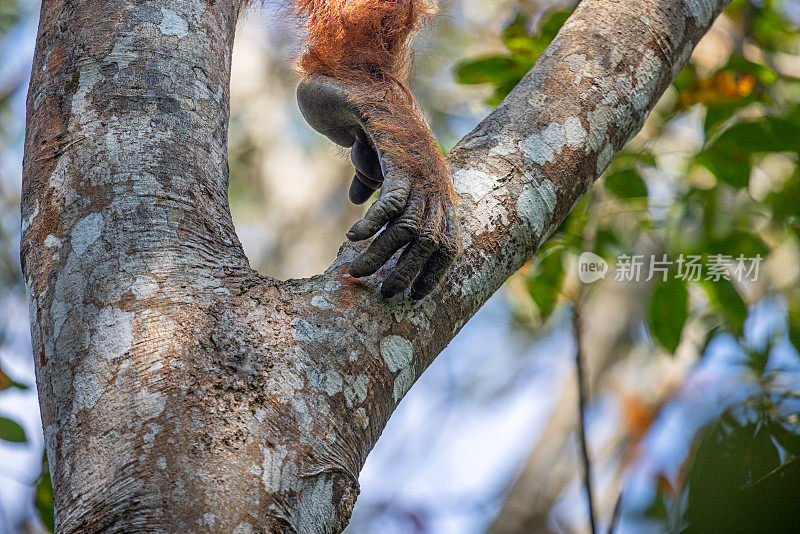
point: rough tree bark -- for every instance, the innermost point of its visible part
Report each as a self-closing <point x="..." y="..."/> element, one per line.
<point x="179" y="389"/>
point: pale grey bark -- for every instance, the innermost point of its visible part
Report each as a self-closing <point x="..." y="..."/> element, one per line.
<point x="180" y="390"/>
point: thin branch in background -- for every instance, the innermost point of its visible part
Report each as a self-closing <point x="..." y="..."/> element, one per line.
<point x="582" y="395"/>
<point x="615" y="514"/>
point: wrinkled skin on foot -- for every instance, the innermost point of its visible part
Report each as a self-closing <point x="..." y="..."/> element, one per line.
<point x="416" y="211"/>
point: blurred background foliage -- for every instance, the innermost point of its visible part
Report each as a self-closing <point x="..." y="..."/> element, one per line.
<point x="694" y="420"/>
<point x="732" y="191"/>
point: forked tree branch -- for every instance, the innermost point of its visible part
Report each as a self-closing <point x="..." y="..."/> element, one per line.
<point x="182" y="391"/>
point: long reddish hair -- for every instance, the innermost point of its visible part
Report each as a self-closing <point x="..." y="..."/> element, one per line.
<point x="367" y="43"/>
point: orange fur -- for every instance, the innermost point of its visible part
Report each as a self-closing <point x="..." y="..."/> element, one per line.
<point x="367" y="45"/>
<point x="360" y="36"/>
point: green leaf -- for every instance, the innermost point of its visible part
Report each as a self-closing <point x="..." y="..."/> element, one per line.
<point x="794" y="327"/>
<point x="545" y="284"/>
<point x="783" y="211"/>
<point x="731" y="167"/>
<point x="7" y="382"/>
<point x="788" y="439"/>
<point x="553" y="24"/>
<point x="658" y="507"/>
<point x="626" y="184"/>
<point x="11" y="431"/>
<point x="669" y="309"/>
<point x="757" y="361"/>
<point x="627" y="159"/>
<point x="765" y="135"/>
<point x="9" y="15"/>
<point x="719" y="114"/>
<point x="724" y="298"/>
<point x="729" y="156"/>
<point x="730" y="480"/>
<point x="686" y="78"/>
<point x="504" y="72"/>
<point x="763" y="73"/>
<point x="737" y="243"/>
<point x="490" y="69"/>
<point x="606" y="243"/>
<point x="44" y="497"/>
<point x="518" y="42"/>
<point x="772" y="31"/>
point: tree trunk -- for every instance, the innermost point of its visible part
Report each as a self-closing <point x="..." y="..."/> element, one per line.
<point x="179" y="389"/>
